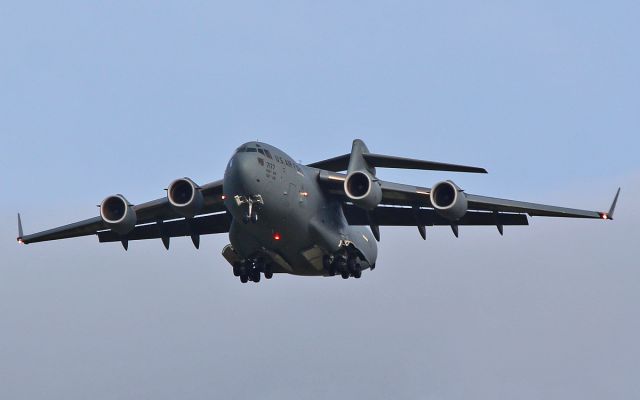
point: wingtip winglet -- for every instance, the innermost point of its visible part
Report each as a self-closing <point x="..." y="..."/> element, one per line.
<point x="613" y="205"/>
<point x="20" y="232"/>
<point x="609" y="215"/>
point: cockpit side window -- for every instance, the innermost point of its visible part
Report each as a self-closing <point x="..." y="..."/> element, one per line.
<point x="268" y="154"/>
<point x="260" y="151"/>
<point x="241" y="149"/>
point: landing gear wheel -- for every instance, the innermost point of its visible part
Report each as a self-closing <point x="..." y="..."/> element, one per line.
<point x="236" y="269"/>
<point x="268" y="270"/>
<point x="326" y="261"/>
<point x="255" y="276"/>
<point x="341" y="265"/>
<point x="328" y="265"/>
<point x="352" y="265"/>
<point x="345" y="275"/>
<point x="244" y="278"/>
<point x="357" y="274"/>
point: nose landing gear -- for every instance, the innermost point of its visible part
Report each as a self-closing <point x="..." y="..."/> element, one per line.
<point x="253" y="203"/>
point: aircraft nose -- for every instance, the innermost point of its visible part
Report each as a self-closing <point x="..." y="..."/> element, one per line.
<point x="240" y="173"/>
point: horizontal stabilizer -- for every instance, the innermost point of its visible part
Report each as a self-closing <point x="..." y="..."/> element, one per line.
<point x="341" y="163"/>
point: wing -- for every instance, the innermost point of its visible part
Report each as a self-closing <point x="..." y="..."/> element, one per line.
<point x="406" y="205"/>
<point x="155" y="219"/>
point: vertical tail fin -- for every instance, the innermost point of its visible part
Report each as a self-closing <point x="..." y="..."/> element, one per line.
<point x="357" y="161"/>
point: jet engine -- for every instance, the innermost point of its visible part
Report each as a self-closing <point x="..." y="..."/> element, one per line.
<point x="448" y="200"/>
<point x="185" y="197"/>
<point x="363" y="190"/>
<point x="118" y="214"/>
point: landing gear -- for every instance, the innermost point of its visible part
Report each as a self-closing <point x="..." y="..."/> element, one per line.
<point x="253" y="203"/>
<point x="255" y="276"/>
<point x="268" y="271"/>
<point x="251" y="270"/>
<point x="328" y="266"/>
<point x="345" y="263"/>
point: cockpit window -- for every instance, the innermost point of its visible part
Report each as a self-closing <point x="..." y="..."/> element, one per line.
<point x="268" y="154"/>
<point x="260" y="151"/>
<point x="251" y="150"/>
<point x="240" y="149"/>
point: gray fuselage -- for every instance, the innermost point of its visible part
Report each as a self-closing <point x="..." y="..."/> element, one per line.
<point x="295" y="218"/>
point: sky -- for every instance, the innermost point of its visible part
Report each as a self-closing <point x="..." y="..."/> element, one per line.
<point x="124" y="97"/>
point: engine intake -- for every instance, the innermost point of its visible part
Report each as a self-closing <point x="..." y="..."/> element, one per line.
<point x="363" y="190"/>
<point x="185" y="197"/>
<point x="118" y="214"/>
<point x="448" y="200"/>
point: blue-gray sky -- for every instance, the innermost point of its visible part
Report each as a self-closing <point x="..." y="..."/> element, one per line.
<point x="123" y="97"/>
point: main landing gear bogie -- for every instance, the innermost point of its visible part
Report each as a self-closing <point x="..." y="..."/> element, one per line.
<point x="344" y="264"/>
<point x="252" y="270"/>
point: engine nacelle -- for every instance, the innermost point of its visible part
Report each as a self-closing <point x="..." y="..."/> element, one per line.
<point x="448" y="200"/>
<point x="363" y="190"/>
<point x="118" y="214"/>
<point x="185" y="197"/>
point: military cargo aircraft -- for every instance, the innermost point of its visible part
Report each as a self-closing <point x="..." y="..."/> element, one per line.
<point x="312" y="220"/>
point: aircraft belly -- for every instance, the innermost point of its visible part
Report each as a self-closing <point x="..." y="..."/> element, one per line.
<point x="295" y="220"/>
<point x="282" y="226"/>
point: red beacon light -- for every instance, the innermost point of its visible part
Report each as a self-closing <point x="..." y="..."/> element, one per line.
<point x="276" y="236"/>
